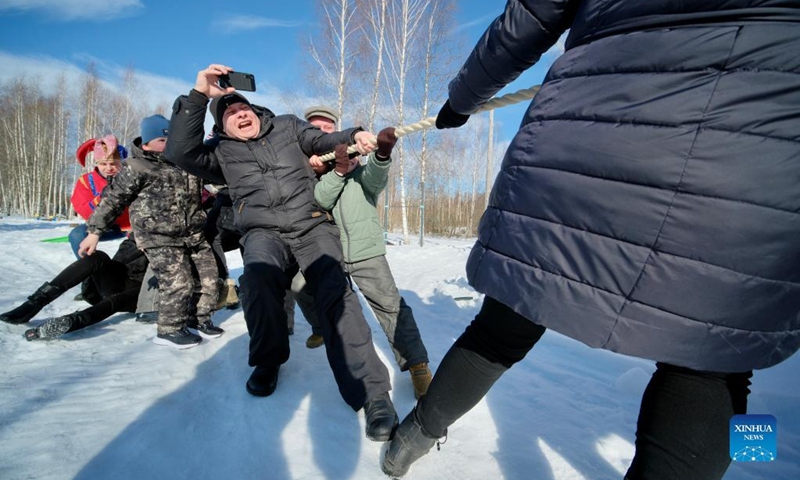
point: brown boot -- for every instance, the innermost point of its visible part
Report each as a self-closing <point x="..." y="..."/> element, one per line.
<point x="314" y="341"/>
<point x="228" y="296"/>
<point x="421" y="378"/>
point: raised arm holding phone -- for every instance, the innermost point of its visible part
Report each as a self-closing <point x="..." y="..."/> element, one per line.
<point x="263" y="158"/>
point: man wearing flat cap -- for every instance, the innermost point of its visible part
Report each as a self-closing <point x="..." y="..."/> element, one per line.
<point x="322" y="112"/>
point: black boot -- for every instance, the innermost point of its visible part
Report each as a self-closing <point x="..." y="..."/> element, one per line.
<point x="263" y="380"/>
<point x="40" y="298"/>
<point x="53" y="328"/>
<point x="409" y="444"/>
<point x="381" y="418"/>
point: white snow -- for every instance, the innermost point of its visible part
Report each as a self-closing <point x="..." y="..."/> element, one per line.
<point x="106" y="403"/>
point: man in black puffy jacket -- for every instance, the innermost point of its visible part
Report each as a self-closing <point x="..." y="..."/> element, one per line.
<point x="263" y="158"/>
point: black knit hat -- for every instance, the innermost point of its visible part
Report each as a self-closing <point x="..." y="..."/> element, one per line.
<point x="220" y="104"/>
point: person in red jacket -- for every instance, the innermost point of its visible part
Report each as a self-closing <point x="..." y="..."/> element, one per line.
<point x="108" y="155"/>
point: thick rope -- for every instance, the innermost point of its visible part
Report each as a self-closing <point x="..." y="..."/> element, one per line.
<point x="491" y="104"/>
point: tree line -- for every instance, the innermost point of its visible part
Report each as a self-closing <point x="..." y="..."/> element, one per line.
<point x="40" y="131"/>
<point x="378" y="62"/>
<point x="387" y="62"/>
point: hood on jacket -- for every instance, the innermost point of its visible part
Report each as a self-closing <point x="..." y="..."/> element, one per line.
<point x="264" y="114"/>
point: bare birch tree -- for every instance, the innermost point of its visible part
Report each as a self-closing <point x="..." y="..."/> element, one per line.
<point x="88" y="106"/>
<point x="333" y="54"/>
<point x="126" y="112"/>
<point x="32" y="132"/>
<point x="437" y="63"/>
<point x="406" y="16"/>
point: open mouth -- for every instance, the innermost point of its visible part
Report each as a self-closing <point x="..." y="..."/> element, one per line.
<point x="245" y="123"/>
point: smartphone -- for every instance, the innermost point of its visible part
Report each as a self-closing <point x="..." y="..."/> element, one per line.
<point x="238" y="80"/>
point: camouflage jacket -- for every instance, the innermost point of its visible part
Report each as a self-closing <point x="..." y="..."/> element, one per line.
<point x="164" y="202"/>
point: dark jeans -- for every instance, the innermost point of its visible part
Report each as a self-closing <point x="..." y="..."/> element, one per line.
<point x="77" y="234"/>
<point x="683" y="425"/>
<point x="374" y="278"/>
<point x="269" y="259"/>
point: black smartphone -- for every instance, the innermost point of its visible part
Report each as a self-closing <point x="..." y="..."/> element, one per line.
<point x="238" y="80"/>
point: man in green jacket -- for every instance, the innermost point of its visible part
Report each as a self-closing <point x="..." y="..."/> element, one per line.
<point x="350" y="192"/>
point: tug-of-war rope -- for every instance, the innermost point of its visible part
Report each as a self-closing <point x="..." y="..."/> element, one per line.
<point x="491" y="104"/>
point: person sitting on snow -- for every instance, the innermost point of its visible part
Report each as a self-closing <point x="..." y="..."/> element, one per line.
<point x="107" y="156"/>
<point x="114" y="281"/>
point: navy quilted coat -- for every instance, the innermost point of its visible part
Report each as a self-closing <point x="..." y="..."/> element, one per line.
<point x="649" y="203"/>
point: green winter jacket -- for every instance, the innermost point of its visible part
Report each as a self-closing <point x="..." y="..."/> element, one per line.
<point x="352" y="200"/>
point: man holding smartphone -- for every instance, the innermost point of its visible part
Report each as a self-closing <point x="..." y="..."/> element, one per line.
<point x="263" y="158"/>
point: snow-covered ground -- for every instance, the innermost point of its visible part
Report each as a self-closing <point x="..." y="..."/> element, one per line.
<point x="106" y="403"/>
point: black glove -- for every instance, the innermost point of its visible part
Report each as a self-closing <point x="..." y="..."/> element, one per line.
<point x="386" y="141"/>
<point x="448" y="118"/>
<point x="342" y="159"/>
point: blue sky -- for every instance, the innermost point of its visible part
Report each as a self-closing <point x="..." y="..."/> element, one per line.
<point x="167" y="42"/>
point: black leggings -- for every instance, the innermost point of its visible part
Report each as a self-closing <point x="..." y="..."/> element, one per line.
<point x="118" y="293"/>
<point x="683" y="425"/>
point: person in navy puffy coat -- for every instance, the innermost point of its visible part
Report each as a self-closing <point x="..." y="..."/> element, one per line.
<point x="648" y="205"/>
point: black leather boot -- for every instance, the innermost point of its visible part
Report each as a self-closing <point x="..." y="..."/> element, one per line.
<point x="381" y="418"/>
<point x="263" y="380"/>
<point x="36" y="302"/>
<point x="409" y="444"/>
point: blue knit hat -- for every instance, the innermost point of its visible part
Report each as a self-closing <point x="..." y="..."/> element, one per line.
<point x="154" y="126"/>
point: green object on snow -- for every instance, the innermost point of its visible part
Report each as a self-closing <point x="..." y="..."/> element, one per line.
<point x="56" y="240"/>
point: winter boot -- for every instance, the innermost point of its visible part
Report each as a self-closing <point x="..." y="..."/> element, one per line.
<point x="36" y="302"/>
<point x="314" y="341"/>
<point x="409" y="444"/>
<point x="228" y="295"/>
<point x="381" y="418"/>
<point x="263" y="380"/>
<point x="420" y="378"/>
<point x="53" y="328"/>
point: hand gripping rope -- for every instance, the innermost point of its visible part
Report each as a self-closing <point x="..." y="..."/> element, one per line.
<point x="491" y="104"/>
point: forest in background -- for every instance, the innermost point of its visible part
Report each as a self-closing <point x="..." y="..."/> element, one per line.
<point x="377" y="62"/>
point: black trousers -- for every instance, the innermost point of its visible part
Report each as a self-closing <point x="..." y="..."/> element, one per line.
<point x="269" y="260"/>
<point x="108" y="278"/>
<point x="683" y="426"/>
<point x="220" y="232"/>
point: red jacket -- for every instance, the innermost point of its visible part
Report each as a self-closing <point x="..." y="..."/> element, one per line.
<point x="86" y="196"/>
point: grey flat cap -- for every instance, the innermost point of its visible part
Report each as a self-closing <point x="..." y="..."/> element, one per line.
<point x="321" y="111"/>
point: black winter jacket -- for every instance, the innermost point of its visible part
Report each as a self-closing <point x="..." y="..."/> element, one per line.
<point x="269" y="178"/>
<point x="134" y="260"/>
<point x="650" y="202"/>
<point x="164" y="201"/>
<point x="128" y="259"/>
